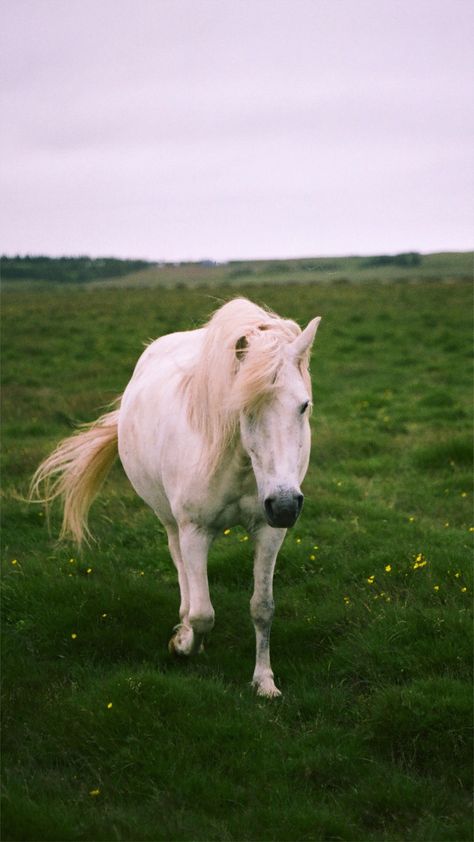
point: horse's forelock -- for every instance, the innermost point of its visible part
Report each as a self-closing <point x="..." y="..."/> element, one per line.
<point x="257" y="375"/>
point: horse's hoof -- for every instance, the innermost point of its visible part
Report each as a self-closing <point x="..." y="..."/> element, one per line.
<point x="182" y="641"/>
<point x="172" y="647"/>
<point x="265" y="687"/>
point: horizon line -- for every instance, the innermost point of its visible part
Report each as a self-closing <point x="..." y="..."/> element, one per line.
<point x="221" y="262"/>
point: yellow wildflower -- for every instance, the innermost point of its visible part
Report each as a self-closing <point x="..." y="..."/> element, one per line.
<point x="463" y="590"/>
<point x="94" y="792"/>
<point x="388" y="568"/>
<point x="411" y="518"/>
<point x="74" y="635"/>
<point x="436" y="587"/>
<point x="226" y="531"/>
<point x="14" y="561"/>
<point x="298" y="540"/>
<point x="245" y="538"/>
<point x="371" y="580"/>
<point x="312" y="558"/>
<point x="420" y="561"/>
<point x="110" y="704"/>
<point x="89" y="570"/>
<point x="346" y="600"/>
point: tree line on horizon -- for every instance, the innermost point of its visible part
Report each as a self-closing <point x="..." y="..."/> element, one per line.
<point x="67" y="269"/>
<point x="82" y="269"/>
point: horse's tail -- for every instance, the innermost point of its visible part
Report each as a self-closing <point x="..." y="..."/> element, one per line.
<point x="75" y="471"/>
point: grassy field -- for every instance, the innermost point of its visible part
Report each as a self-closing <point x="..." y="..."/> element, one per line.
<point x="105" y="736"/>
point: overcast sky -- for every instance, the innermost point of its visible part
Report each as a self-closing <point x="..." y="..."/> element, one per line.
<point x="190" y="129"/>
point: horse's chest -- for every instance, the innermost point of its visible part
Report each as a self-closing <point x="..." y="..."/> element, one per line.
<point x="233" y="502"/>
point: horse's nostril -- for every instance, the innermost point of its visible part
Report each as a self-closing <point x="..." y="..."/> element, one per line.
<point x="268" y="503"/>
<point x="299" y="502"/>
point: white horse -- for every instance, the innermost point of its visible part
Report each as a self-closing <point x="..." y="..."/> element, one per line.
<point x="212" y="431"/>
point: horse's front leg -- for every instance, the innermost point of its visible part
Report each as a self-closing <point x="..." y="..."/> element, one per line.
<point x="197" y="618"/>
<point x="268" y="543"/>
<point x="181" y="641"/>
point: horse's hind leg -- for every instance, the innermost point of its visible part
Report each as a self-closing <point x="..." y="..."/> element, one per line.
<point x="268" y="543"/>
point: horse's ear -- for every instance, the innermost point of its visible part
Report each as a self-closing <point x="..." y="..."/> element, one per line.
<point x="302" y="344"/>
<point x="241" y="348"/>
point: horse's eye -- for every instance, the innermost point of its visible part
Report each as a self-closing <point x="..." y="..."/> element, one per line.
<point x="304" y="407"/>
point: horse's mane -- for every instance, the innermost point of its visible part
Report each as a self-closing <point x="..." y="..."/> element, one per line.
<point x="237" y="369"/>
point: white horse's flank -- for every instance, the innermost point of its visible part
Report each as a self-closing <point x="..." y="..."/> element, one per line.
<point x="212" y="431"/>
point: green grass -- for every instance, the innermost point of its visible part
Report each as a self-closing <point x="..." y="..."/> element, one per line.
<point x="371" y="648"/>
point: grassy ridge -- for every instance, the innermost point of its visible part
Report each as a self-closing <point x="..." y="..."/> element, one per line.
<point x="453" y="266"/>
<point x="35" y="272"/>
<point x="371" y="641"/>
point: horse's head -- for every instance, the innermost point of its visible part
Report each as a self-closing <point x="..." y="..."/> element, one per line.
<point x="276" y="433"/>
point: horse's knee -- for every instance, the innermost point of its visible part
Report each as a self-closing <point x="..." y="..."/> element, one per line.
<point x="261" y="610"/>
<point x="202" y="622"/>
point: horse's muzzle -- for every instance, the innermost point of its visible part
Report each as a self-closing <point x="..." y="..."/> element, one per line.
<point x="282" y="511"/>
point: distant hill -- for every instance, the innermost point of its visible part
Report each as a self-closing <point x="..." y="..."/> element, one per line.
<point x="112" y="272"/>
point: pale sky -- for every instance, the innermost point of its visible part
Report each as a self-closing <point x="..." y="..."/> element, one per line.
<point x="227" y="129"/>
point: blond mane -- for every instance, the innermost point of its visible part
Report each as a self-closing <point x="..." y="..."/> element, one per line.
<point x="237" y="369"/>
